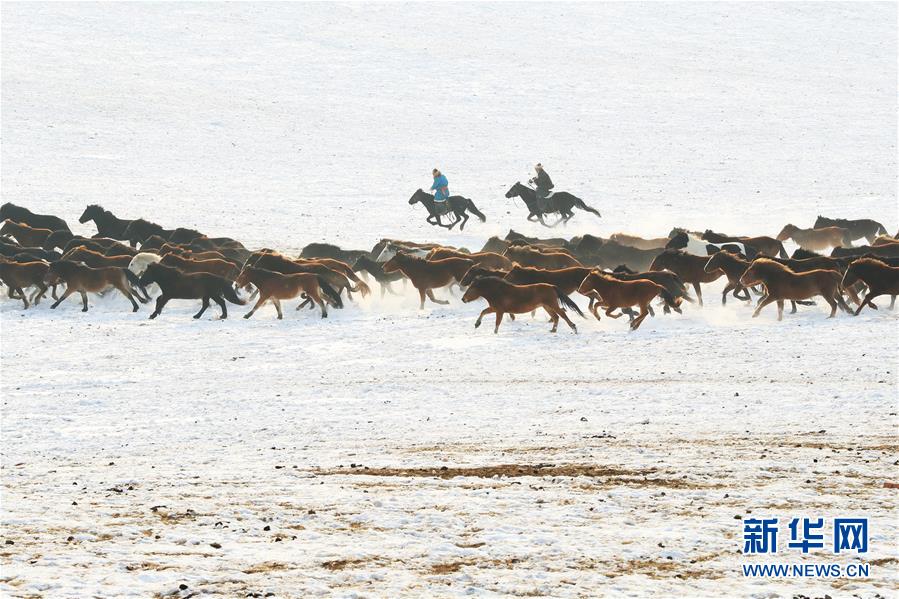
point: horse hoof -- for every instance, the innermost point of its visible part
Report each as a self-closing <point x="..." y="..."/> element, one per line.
<point x="84" y="309"/>
<point x="247" y="315"/>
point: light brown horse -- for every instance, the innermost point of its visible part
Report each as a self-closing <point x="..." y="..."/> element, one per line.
<point x="880" y="278"/>
<point x="532" y="257"/>
<point x="816" y="239"/>
<point x="25" y="234"/>
<point x="655" y="243"/>
<point x="504" y="297"/>
<point x="485" y="259"/>
<point x="614" y="293"/>
<point x="781" y="284"/>
<point x="427" y="275"/>
<point x="82" y="279"/>
<point x="277" y="286"/>
<point x="19" y="276"/>
<point x="689" y="267"/>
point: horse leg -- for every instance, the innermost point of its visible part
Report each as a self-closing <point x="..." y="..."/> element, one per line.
<point x="698" y="291"/>
<point x="610" y="315"/>
<point x="643" y="314"/>
<point x="464" y="220"/>
<point x="499" y="319"/>
<point x="161" y="301"/>
<point x="892" y="301"/>
<point x="422" y="293"/>
<point x="564" y="315"/>
<point x="203" y="307"/>
<point x="83" y="300"/>
<point x="383" y="290"/>
<point x="833" y="305"/>
<point x="69" y="291"/>
<point x="553" y="317"/>
<point x="745" y="297"/>
<point x="727" y="289"/>
<point x="484" y="312"/>
<point x="762" y="303"/>
<point x="221" y="302"/>
<point x="431" y="297"/>
<point x="125" y="289"/>
<point x="262" y="300"/>
<point x="303" y="304"/>
<point x="871" y="295"/>
<point x="277" y="303"/>
<point x="22" y="293"/>
<point x="780" y="310"/>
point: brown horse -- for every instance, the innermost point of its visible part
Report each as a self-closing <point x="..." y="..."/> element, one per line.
<point x="781" y="284"/>
<point x="343" y="268"/>
<point x="271" y="260"/>
<point x="277" y="286"/>
<point x="25" y="234"/>
<point x="82" y="279"/>
<point x="485" y="259"/>
<point x="504" y="297"/>
<point x="18" y="276"/>
<point x="427" y="275"/>
<point x="615" y="293"/>
<point x="176" y="284"/>
<point x="816" y="239"/>
<point x="689" y="267"/>
<point x="655" y="243"/>
<point x="880" y="278"/>
<point x="884" y="240"/>
<point x="533" y="257"/>
<point x="733" y="266"/>
<point x="216" y="267"/>
<point x="95" y="259"/>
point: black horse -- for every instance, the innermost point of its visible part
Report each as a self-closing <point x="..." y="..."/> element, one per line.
<point x="457" y="205"/>
<point x="108" y="224"/>
<point x="561" y="202"/>
<point x="24" y="215"/>
<point x="858" y="228"/>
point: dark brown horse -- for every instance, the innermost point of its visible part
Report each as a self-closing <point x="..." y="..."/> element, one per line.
<point x="733" y="266"/>
<point x="107" y="223"/>
<point x="857" y="228"/>
<point x="880" y="278"/>
<point x="19" y="276"/>
<point x="689" y="267"/>
<point x="176" y="284"/>
<point x="25" y="234"/>
<point x="376" y="270"/>
<point x="504" y="297"/>
<point x="40" y="221"/>
<point x="764" y="244"/>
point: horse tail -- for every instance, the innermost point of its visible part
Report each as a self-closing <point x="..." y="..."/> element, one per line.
<point x="669" y="299"/>
<point x="135" y="283"/>
<point x="332" y="294"/>
<point x="781" y="251"/>
<point x="362" y="287"/>
<point x="580" y="204"/>
<point x="474" y="210"/>
<point x="567" y="302"/>
<point x="229" y="294"/>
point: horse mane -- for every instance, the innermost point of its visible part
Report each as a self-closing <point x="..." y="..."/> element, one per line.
<point x="772" y="264"/>
<point x="801" y="254"/>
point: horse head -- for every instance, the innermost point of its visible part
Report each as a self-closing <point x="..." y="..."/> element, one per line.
<point x="418" y="196"/>
<point x="91" y="212"/>
<point x="678" y="240"/>
<point x="516" y="190"/>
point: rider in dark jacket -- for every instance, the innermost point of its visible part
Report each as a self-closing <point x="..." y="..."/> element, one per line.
<point x="542" y="181"/>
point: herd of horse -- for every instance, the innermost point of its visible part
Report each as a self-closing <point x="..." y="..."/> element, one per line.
<point x="621" y="275"/>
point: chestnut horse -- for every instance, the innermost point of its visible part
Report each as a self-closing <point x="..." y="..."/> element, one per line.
<point x="504" y="297"/>
<point x="277" y="286"/>
<point x="689" y="267"/>
<point x="532" y="257"/>
<point x="880" y="278"/>
<point x="615" y="293"/>
<point x="427" y="275"/>
<point x="781" y="284"/>
<point x="733" y="266"/>
<point x="82" y="279"/>
<point x="25" y="234"/>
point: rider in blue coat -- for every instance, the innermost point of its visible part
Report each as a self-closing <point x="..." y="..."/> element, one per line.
<point x="440" y="187"/>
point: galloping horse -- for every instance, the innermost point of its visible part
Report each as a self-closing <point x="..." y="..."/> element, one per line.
<point x="781" y="283"/>
<point x="505" y="297"/>
<point x="108" y="224"/>
<point x="881" y="279"/>
<point x="456" y="204"/>
<point x="857" y="228"/>
<point x="561" y="202"/>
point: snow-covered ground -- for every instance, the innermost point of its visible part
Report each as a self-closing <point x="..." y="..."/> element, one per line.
<point x="230" y="456"/>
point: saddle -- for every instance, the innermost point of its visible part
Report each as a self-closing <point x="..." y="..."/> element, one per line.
<point x="441" y="208"/>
